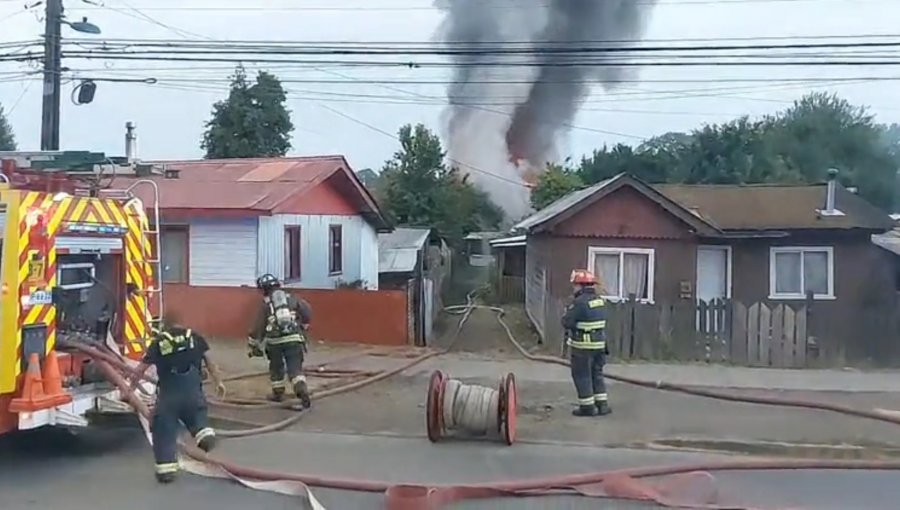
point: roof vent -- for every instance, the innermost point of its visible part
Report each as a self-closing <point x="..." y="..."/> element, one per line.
<point x="830" y="190"/>
<point x="171" y="173"/>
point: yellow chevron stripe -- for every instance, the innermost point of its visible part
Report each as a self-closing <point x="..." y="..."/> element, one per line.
<point x="78" y="211"/>
<point x="100" y="209"/>
<point x="119" y="215"/>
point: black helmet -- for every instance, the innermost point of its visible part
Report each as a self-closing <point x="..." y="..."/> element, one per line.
<point x="267" y="282"/>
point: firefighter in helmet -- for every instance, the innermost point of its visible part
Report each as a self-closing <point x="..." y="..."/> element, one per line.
<point x="279" y="333"/>
<point x="585" y="324"/>
<point x="178" y="353"/>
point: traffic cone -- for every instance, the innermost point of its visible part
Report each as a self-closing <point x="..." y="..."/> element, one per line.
<point x="52" y="379"/>
<point x="32" y="397"/>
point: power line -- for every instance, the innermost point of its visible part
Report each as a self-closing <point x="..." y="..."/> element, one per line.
<point x="378" y="43"/>
<point x="495" y="64"/>
<point x="288" y="48"/>
<point x="395" y="138"/>
<point x="491" y="6"/>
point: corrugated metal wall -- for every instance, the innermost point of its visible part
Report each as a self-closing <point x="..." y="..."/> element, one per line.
<point x="360" y="249"/>
<point x="223" y="252"/>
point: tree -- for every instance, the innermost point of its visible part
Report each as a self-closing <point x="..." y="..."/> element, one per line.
<point x="798" y="145"/>
<point x="252" y="122"/>
<point x="7" y="139"/>
<point x="418" y="189"/>
<point x="554" y="183"/>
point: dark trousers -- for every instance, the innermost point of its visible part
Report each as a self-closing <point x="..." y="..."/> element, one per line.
<point x="180" y="400"/>
<point x="587" y="374"/>
<point x="286" y="357"/>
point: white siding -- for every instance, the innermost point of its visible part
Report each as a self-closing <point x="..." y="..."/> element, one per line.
<point x="360" y="249"/>
<point x="223" y="252"/>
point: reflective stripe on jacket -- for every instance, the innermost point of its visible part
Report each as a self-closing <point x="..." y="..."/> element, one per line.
<point x="585" y="321"/>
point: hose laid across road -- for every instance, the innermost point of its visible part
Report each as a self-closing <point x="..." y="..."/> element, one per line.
<point x="620" y="484"/>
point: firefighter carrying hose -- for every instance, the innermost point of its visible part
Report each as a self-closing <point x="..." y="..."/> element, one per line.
<point x="178" y="355"/>
<point x="279" y="334"/>
<point x="585" y="323"/>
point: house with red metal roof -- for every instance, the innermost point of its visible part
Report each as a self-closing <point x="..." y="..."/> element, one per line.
<point x="307" y="220"/>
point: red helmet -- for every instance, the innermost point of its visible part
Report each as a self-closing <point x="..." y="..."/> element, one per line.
<point x="583" y="277"/>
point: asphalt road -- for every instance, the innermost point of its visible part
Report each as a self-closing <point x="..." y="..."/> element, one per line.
<point x="113" y="468"/>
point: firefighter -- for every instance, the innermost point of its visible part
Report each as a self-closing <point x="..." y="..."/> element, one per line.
<point x="279" y="334"/>
<point x="585" y="323"/>
<point x="178" y="354"/>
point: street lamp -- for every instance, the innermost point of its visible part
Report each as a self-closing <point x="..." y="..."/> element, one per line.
<point x="83" y="26"/>
<point x="54" y="19"/>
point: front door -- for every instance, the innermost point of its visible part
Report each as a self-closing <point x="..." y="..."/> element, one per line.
<point x="713" y="277"/>
<point x="713" y="273"/>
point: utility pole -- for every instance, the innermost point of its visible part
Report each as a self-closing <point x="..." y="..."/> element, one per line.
<point x="52" y="75"/>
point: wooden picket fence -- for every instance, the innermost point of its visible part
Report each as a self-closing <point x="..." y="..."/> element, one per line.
<point x="720" y="331"/>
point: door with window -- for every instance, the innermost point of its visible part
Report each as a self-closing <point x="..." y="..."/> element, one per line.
<point x="713" y="273"/>
<point x="713" y="282"/>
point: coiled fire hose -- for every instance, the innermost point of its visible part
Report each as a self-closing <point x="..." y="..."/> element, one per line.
<point x="620" y="484"/>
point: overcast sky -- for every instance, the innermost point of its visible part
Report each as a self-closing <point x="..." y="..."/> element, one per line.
<point x="170" y="115"/>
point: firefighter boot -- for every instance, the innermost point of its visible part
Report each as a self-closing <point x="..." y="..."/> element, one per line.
<point x="277" y="395"/>
<point x="302" y="392"/>
<point x="165" y="477"/>
<point x="590" y="410"/>
<point x="603" y="408"/>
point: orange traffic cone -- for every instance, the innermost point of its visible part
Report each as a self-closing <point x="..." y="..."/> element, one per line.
<point x="32" y="397"/>
<point x="53" y="381"/>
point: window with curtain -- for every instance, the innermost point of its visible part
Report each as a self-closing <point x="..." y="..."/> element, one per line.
<point x="623" y="272"/>
<point x="795" y="272"/>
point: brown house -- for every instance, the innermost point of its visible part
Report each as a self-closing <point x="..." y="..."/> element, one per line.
<point x="670" y="243"/>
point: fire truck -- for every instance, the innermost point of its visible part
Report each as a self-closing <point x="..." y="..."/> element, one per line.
<point x="78" y="257"/>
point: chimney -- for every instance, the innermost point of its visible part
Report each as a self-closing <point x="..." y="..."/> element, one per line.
<point x="130" y="142"/>
<point x="830" y="190"/>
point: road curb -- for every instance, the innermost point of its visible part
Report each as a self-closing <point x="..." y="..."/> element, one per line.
<point x="773" y="448"/>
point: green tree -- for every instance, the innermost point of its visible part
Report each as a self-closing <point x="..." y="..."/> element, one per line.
<point x="554" y="183"/>
<point x="252" y="122"/>
<point x="418" y="189"/>
<point x="7" y="139"/>
<point x="798" y="145"/>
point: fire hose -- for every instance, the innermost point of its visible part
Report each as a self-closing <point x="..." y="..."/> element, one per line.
<point x="619" y="484"/>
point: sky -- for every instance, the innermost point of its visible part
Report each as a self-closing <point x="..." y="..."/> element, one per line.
<point x="337" y="110"/>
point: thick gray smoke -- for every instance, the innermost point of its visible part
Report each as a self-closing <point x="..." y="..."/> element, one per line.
<point x="503" y="122"/>
<point x="560" y="87"/>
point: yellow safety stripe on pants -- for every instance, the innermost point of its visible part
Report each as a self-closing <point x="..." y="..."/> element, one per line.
<point x="285" y="340"/>
<point x="167" y="467"/>
<point x="277" y="384"/>
<point x="586" y="345"/>
<point x="589" y="401"/>
<point x="204" y="433"/>
<point x="299" y="378"/>
<point x="601" y="397"/>
<point x="590" y="326"/>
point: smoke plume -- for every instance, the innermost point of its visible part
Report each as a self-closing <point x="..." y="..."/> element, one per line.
<point x="503" y="133"/>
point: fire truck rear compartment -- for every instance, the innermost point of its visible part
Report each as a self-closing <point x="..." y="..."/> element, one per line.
<point x="88" y="299"/>
<point x="89" y="305"/>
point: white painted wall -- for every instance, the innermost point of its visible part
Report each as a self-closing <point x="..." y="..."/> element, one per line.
<point x="223" y="252"/>
<point x="360" y="249"/>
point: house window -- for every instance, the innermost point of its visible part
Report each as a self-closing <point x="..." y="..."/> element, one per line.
<point x="623" y="272"/>
<point x="796" y="271"/>
<point x="335" y="252"/>
<point x="174" y="256"/>
<point x="292" y="253"/>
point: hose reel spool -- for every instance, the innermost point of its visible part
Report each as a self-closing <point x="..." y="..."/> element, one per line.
<point x="453" y="406"/>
